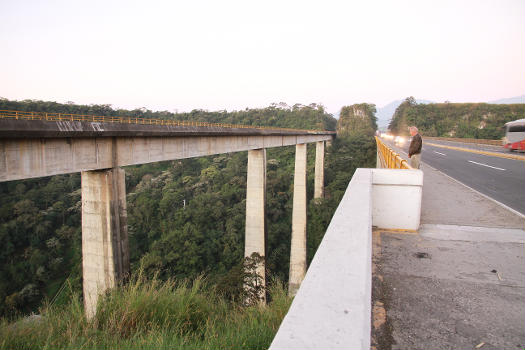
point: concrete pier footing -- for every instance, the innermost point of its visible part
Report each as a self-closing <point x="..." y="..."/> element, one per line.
<point x="255" y="209"/>
<point x="105" y="250"/>
<point x="298" y="245"/>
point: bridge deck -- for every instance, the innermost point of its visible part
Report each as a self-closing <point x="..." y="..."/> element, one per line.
<point x="34" y="148"/>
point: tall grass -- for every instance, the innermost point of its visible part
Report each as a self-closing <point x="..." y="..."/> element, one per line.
<point x="152" y="314"/>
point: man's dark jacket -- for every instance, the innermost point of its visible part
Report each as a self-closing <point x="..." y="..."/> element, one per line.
<point x="415" y="145"/>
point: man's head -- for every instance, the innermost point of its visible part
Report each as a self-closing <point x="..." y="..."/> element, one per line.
<point x="413" y="130"/>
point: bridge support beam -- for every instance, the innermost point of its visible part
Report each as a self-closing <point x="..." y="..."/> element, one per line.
<point x="255" y="210"/>
<point x="105" y="250"/>
<point x="298" y="247"/>
<point x="319" y="170"/>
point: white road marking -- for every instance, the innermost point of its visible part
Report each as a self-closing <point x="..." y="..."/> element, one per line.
<point x="489" y="166"/>
<point x="443" y="154"/>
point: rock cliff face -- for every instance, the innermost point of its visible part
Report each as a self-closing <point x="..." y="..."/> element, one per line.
<point x="357" y="119"/>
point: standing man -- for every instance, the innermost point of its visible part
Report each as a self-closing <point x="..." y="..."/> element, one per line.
<point x="414" y="150"/>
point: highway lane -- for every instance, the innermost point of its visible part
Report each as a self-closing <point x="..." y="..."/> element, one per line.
<point x="499" y="178"/>
<point x="476" y="146"/>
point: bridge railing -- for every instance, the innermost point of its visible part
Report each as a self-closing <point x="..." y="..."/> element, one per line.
<point x="22" y="115"/>
<point x="388" y="158"/>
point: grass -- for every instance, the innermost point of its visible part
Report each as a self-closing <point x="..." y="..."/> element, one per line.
<point x="152" y="314"/>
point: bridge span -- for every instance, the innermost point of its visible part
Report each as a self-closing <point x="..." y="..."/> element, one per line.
<point x="36" y="144"/>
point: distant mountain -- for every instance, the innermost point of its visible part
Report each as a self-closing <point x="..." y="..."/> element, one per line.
<point x="385" y="113"/>
<point x="510" y="100"/>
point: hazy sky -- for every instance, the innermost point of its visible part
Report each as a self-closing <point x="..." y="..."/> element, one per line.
<point x="184" y="55"/>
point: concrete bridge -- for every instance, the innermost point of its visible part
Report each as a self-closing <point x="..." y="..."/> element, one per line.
<point x="39" y="144"/>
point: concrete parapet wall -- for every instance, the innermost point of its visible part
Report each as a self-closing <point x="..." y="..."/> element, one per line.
<point x="396" y="198"/>
<point x="332" y="309"/>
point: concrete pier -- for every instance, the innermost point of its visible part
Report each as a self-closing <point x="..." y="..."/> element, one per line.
<point x="105" y="250"/>
<point x="298" y="247"/>
<point x="255" y="208"/>
<point x="319" y="170"/>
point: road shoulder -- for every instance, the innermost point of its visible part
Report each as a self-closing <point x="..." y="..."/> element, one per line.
<point x="449" y="202"/>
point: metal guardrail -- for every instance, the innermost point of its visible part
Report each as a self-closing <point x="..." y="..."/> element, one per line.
<point x="21" y="115"/>
<point x="390" y="159"/>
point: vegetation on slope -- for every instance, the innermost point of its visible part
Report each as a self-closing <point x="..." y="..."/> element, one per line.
<point x="463" y="120"/>
<point x="146" y="314"/>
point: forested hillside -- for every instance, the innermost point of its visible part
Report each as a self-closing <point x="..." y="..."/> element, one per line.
<point x="464" y="120"/>
<point x="186" y="217"/>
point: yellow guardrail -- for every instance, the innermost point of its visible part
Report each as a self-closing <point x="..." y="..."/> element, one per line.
<point x="390" y="159"/>
<point x="21" y="115"/>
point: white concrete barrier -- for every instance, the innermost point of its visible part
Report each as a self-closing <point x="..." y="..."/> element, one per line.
<point x="396" y="198"/>
<point x="332" y="308"/>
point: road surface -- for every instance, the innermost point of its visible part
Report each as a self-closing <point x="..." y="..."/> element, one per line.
<point x="499" y="178"/>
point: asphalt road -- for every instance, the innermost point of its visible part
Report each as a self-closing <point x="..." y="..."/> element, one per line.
<point x="499" y="178"/>
<point x="477" y="146"/>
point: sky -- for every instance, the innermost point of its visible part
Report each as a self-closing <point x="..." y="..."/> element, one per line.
<point x="230" y="55"/>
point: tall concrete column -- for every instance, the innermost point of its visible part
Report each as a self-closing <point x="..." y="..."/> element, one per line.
<point x="298" y="248"/>
<point x="319" y="170"/>
<point x="105" y="250"/>
<point x="255" y="210"/>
